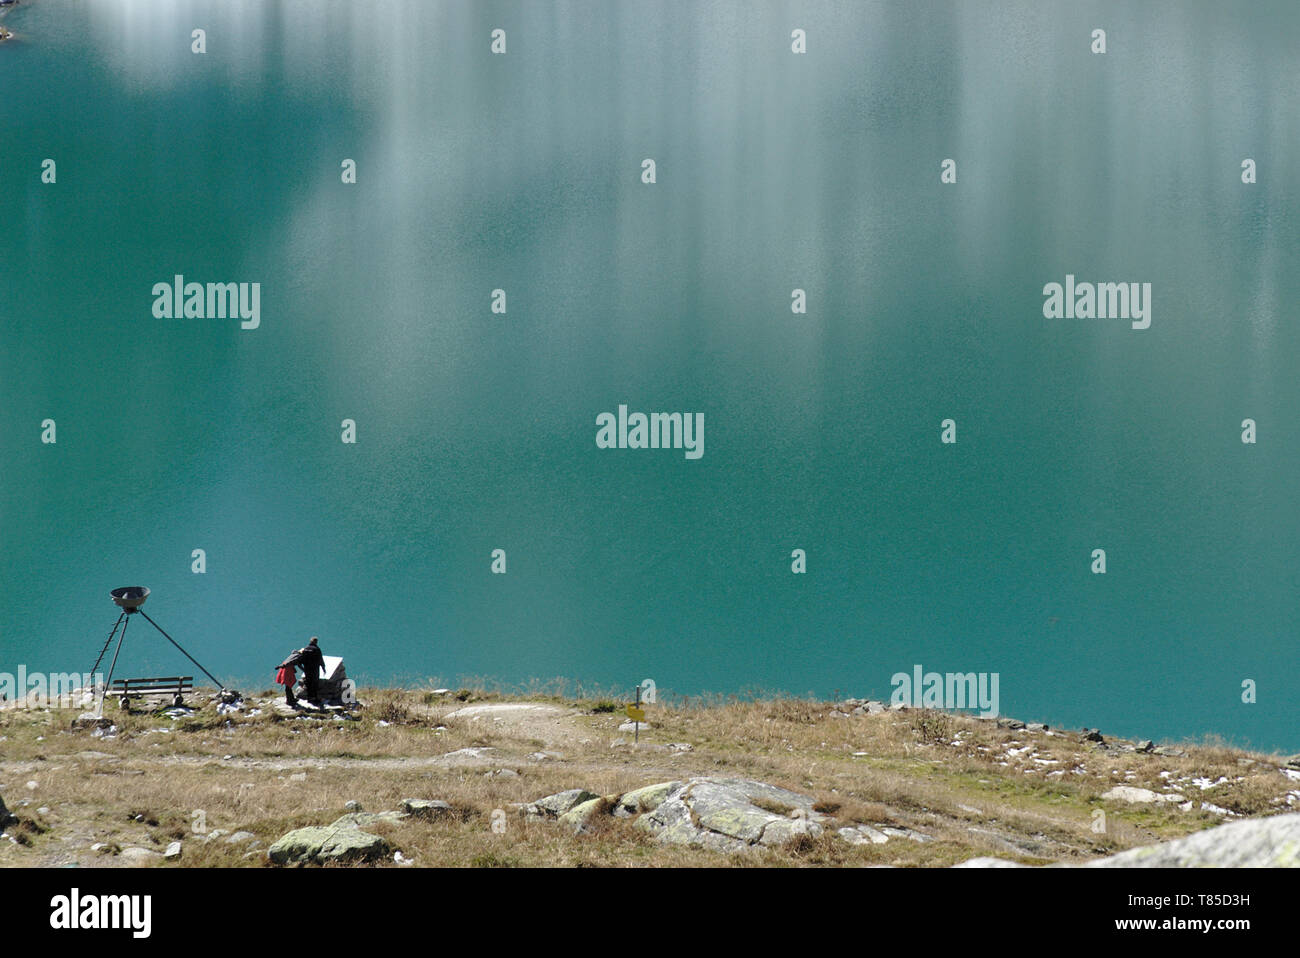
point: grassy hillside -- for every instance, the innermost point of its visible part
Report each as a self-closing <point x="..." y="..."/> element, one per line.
<point x="972" y="787"/>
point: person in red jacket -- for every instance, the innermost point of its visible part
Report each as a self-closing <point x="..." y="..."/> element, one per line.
<point x="285" y="676"/>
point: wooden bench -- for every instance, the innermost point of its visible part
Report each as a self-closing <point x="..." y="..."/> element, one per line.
<point x="175" y="685"/>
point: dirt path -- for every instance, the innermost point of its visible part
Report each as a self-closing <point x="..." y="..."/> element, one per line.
<point x="534" y="733"/>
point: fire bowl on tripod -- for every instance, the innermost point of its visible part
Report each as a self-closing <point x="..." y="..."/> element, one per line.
<point x="130" y="597"/>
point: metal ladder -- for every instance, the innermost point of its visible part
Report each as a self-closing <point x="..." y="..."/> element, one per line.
<point x="104" y="650"/>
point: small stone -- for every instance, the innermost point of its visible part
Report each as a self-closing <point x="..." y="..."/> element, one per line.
<point x="238" y="838"/>
<point x="425" y="808"/>
<point x="1129" y="793"/>
<point x="173" y="851"/>
<point x="139" y="857"/>
<point x="353" y="806"/>
<point x="91" y="720"/>
<point x="1146" y="745"/>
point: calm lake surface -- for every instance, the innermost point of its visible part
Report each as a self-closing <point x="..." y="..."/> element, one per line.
<point x="476" y="430"/>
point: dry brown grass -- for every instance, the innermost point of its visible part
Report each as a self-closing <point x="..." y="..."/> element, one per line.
<point x="972" y="787"/>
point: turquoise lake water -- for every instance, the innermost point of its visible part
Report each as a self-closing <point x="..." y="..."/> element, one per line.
<point x="476" y="430"/>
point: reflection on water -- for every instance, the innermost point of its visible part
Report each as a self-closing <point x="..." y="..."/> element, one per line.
<point x="775" y="172"/>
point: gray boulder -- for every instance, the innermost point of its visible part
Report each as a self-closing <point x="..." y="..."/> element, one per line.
<point x="728" y="814"/>
<point x="553" y="806"/>
<point x="646" y="799"/>
<point x="579" y="815"/>
<point x="318" y="845"/>
<point x="1272" y="842"/>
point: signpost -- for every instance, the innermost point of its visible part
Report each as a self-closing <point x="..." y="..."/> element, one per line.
<point x="637" y="714"/>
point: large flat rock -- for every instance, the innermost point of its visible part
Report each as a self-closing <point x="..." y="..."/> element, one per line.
<point x="317" y="845"/>
<point x="1272" y="842"/>
<point x="729" y="814"/>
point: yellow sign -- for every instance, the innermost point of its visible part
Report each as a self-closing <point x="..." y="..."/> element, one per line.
<point x="635" y="714"/>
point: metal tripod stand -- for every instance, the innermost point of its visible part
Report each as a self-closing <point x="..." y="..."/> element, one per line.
<point x="129" y="599"/>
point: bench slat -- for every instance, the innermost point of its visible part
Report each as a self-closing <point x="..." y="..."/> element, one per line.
<point x="173" y="679"/>
<point x="152" y="685"/>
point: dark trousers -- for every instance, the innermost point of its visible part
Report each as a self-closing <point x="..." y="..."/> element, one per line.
<point x="288" y="696"/>
<point x="311" y="691"/>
